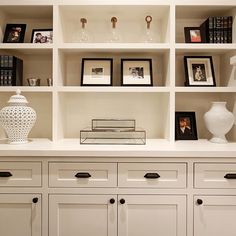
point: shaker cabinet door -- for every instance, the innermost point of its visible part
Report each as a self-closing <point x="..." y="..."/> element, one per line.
<point x="214" y="215"/>
<point x="151" y="215"/>
<point x="20" y="215"/>
<point x="85" y="215"/>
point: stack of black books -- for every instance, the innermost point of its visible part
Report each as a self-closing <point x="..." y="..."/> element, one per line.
<point x="217" y="29"/>
<point x="11" y="71"/>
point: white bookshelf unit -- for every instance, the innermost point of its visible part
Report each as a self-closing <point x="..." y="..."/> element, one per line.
<point x="43" y="197"/>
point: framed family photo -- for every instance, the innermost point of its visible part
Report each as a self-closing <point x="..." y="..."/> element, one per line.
<point x="136" y="72"/>
<point x="96" y="72"/>
<point x="185" y="126"/>
<point x="199" y="71"/>
<point x="14" y="33"/>
<point x="193" y="35"/>
<point x="42" y="36"/>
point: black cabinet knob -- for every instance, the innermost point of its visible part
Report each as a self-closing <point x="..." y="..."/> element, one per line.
<point x="83" y="175"/>
<point x="35" y="200"/>
<point x="199" y="201"/>
<point x="122" y="201"/>
<point x="112" y="200"/>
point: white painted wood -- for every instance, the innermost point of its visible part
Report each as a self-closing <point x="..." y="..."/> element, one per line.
<point x="62" y="174"/>
<point x="152" y="215"/>
<point x="212" y="175"/>
<point x="216" y="216"/>
<point x="19" y="215"/>
<point x="172" y="175"/>
<point x="24" y="174"/>
<point x="86" y="215"/>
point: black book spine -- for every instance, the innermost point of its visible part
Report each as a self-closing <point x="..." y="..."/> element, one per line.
<point x="1" y="77"/>
<point x="230" y="22"/>
<point x="2" y="61"/>
<point x="5" y="80"/>
<point x="215" y="30"/>
<point x="218" y="29"/>
<point x="225" y="29"/>
<point x="10" y="77"/>
<point x="17" y="76"/>
<point x="211" y="30"/>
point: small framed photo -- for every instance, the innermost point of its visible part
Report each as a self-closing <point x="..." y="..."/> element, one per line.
<point x="185" y="126"/>
<point x="199" y="71"/>
<point x="136" y="72"/>
<point x="14" y="33"/>
<point x="96" y="72"/>
<point x="42" y="36"/>
<point x="193" y="35"/>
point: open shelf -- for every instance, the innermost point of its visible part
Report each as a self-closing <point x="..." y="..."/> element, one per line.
<point x="35" y="17"/>
<point x="70" y="65"/>
<point x="130" y="26"/>
<point x="37" y="100"/>
<point x="201" y="103"/>
<point x="151" y="111"/>
<point x="224" y="72"/>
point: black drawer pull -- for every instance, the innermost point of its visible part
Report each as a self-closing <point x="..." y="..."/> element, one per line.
<point x="35" y="200"/>
<point x="152" y="176"/>
<point x="83" y="175"/>
<point x="122" y="201"/>
<point x="5" y="174"/>
<point x="199" y="201"/>
<point x="230" y="176"/>
<point x="112" y="200"/>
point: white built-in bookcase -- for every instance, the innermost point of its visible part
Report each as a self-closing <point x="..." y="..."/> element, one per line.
<point x="66" y="107"/>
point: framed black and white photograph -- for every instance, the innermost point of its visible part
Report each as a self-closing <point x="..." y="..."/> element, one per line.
<point x="193" y="35"/>
<point x="199" y="71"/>
<point x="42" y="36"/>
<point x="136" y="72"/>
<point x="96" y="72"/>
<point x="185" y="126"/>
<point x="14" y="33"/>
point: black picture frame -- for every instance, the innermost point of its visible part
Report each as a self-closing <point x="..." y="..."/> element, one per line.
<point x="187" y="120"/>
<point x="14" y="33"/>
<point x="134" y="63"/>
<point x="199" y="71"/>
<point x="193" y="35"/>
<point x="47" y="36"/>
<point x="89" y="79"/>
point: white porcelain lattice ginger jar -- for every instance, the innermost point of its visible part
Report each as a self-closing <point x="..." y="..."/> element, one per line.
<point x="17" y="119"/>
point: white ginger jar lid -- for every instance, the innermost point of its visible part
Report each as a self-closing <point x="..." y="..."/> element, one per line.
<point x="18" y="99"/>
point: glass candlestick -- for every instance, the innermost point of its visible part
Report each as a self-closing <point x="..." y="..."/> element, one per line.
<point x="83" y="36"/>
<point x="115" y="35"/>
<point x="148" y="36"/>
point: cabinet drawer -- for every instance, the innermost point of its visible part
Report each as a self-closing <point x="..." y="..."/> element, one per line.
<point x="82" y="174"/>
<point x="20" y="174"/>
<point x="215" y="175"/>
<point x="152" y="175"/>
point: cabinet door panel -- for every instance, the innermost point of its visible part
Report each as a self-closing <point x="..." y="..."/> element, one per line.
<point x="19" y="215"/>
<point x="215" y="216"/>
<point x="86" y="215"/>
<point x="152" y="215"/>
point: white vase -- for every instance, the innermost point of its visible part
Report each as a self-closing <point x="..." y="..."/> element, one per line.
<point x="219" y="121"/>
<point x="17" y="119"/>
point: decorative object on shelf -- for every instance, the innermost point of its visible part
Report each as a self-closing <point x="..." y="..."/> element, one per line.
<point x="136" y="72"/>
<point x="96" y="72"/>
<point x="185" y="126"/>
<point x="199" y="71"/>
<point x="192" y="35"/>
<point x="49" y="81"/>
<point x="83" y="36"/>
<point x="115" y="36"/>
<point x="42" y="36"/>
<point x="219" y="121"/>
<point x="232" y="80"/>
<point x="11" y="71"/>
<point x="113" y="131"/>
<point x="34" y="81"/>
<point x="217" y="29"/>
<point x="17" y="119"/>
<point x="14" y="33"/>
<point x="148" y="37"/>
